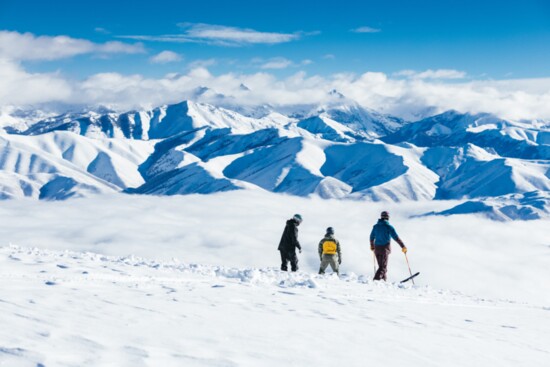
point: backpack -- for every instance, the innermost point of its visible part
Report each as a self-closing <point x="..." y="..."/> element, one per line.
<point x="329" y="247"/>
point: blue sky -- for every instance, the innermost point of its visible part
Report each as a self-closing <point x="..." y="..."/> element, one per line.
<point x="484" y="39"/>
<point x="404" y="57"/>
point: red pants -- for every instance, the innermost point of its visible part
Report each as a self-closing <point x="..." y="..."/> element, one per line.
<point x="382" y="254"/>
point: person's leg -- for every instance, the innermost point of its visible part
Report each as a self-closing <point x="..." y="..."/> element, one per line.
<point x="381" y="259"/>
<point x="324" y="264"/>
<point x="334" y="263"/>
<point x="382" y="255"/>
<point x="293" y="261"/>
<point x="377" y="274"/>
<point x="284" y="261"/>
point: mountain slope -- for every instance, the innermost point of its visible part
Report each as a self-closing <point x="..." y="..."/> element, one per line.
<point x="339" y="150"/>
<point x="507" y="139"/>
<point x="471" y="171"/>
<point x="276" y="168"/>
<point x="72" y="165"/>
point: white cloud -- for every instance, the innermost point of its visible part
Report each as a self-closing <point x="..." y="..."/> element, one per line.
<point x="235" y="35"/>
<point x="220" y="35"/>
<point x="329" y="57"/>
<point x="20" y="88"/>
<point x="366" y="29"/>
<point x="433" y="74"/>
<point x="405" y="97"/>
<point x="165" y="57"/>
<point x="277" y="63"/>
<point x="116" y="47"/>
<point x="27" y="46"/>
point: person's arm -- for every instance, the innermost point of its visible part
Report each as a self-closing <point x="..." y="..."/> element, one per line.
<point x="321" y="250"/>
<point x="338" y="249"/>
<point x="372" y="239"/>
<point x="295" y="239"/>
<point x="395" y="236"/>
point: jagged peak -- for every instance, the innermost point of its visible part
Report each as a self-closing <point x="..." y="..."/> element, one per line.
<point x="336" y="94"/>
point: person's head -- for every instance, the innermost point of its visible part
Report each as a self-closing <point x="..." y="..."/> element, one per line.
<point x="297" y="218"/>
<point x="330" y="231"/>
<point x="385" y="215"/>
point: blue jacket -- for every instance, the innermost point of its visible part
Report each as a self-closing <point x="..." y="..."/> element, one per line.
<point x="382" y="232"/>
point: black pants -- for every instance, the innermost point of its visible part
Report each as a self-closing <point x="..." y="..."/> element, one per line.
<point x="382" y="254"/>
<point x="286" y="257"/>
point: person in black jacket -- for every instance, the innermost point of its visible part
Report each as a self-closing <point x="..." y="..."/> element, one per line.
<point x="289" y="243"/>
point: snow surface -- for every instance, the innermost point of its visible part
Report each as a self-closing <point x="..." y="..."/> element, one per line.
<point x="193" y="281"/>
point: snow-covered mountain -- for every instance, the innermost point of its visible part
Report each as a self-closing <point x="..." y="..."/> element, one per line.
<point x="452" y="129"/>
<point x="159" y="123"/>
<point x="340" y="150"/>
<point x="60" y="165"/>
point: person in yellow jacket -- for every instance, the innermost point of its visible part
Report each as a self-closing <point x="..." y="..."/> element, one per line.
<point x="330" y="252"/>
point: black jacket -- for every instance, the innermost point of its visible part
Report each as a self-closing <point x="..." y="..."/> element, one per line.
<point x="289" y="240"/>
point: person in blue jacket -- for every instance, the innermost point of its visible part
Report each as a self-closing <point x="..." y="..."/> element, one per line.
<point x="380" y="238"/>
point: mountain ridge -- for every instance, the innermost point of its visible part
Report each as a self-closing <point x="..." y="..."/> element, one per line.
<point x="337" y="151"/>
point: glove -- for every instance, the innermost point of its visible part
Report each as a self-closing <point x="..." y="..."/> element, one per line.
<point x="339" y="261"/>
<point x="300" y="250"/>
<point x="404" y="249"/>
<point x="372" y="247"/>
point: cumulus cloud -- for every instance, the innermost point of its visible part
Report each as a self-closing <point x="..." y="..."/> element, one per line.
<point x="27" y="46"/>
<point x="405" y="97"/>
<point x="21" y="88"/>
<point x="366" y="29"/>
<point x="165" y="57"/>
<point x="220" y="35"/>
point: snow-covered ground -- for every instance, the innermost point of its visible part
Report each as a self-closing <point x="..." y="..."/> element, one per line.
<point x="119" y="280"/>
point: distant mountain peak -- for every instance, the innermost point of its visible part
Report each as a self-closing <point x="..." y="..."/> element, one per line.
<point x="335" y="93"/>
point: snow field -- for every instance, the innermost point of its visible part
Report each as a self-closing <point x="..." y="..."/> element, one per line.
<point x="65" y="308"/>
<point x="129" y="280"/>
<point x="242" y="229"/>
